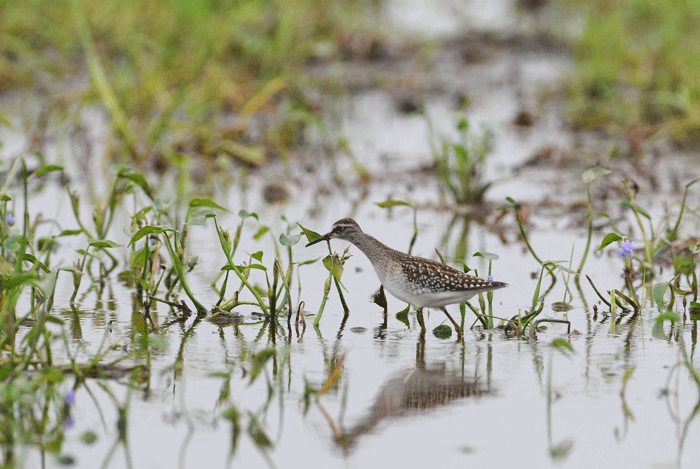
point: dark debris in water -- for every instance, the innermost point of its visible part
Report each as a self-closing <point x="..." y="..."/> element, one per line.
<point x="275" y="193"/>
<point x="561" y="307"/>
<point x="409" y="105"/>
<point x="524" y="119"/>
<point x="225" y="318"/>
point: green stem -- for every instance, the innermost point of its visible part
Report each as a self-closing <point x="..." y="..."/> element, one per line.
<point x="177" y="264"/>
<point x="240" y="274"/>
<point x="590" y="233"/>
<point x="326" y="291"/>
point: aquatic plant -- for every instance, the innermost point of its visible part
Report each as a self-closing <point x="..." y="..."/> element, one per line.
<point x="334" y="263"/>
<point x="461" y="165"/>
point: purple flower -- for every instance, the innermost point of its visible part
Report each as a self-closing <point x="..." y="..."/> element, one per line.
<point x="626" y="249"/>
<point x="490" y="278"/>
<point x="70" y="398"/>
<point x="69" y="422"/>
<point x="10" y="220"/>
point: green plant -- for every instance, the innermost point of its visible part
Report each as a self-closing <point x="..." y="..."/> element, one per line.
<point x="644" y="46"/>
<point x="334" y="263"/>
<point x="461" y="165"/>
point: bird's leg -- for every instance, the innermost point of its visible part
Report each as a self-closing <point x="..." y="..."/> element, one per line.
<point x="420" y="321"/>
<point x="457" y="327"/>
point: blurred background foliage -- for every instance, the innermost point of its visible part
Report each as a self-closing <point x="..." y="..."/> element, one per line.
<point x="206" y="77"/>
<point x="637" y="68"/>
<point x="174" y="67"/>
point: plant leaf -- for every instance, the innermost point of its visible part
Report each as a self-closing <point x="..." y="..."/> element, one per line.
<point x="289" y="240"/>
<point x="47" y="168"/>
<point x="487" y="255"/>
<point x="609" y="238"/>
<point x="137" y="178"/>
<point x="668" y="316"/>
<point x="245" y="214"/>
<point x="146" y="230"/>
<point x="206" y="203"/>
<point x="394" y="203"/>
<point x="310" y="235"/>
<point x="591" y="174"/>
<point x="102" y="243"/>
<point x="657" y="292"/>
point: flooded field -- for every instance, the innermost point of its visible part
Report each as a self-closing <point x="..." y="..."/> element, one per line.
<point x="160" y="320"/>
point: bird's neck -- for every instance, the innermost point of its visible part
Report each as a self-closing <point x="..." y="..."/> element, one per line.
<point x="370" y="247"/>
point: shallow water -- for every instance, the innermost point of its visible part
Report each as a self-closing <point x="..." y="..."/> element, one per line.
<point x="489" y="401"/>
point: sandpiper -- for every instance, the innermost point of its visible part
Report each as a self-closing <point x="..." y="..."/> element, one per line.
<point x="420" y="282"/>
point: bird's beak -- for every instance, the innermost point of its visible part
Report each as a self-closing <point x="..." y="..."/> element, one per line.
<point x="325" y="237"/>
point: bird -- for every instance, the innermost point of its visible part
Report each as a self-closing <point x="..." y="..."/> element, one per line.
<point x="420" y="282"/>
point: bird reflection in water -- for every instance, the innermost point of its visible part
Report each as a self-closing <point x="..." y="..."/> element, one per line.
<point x="409" y="393"/>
